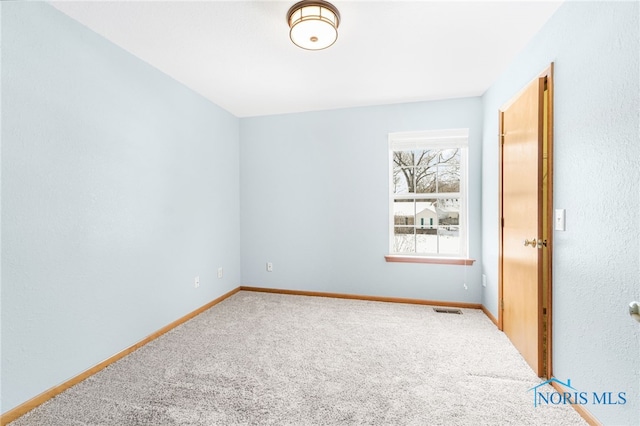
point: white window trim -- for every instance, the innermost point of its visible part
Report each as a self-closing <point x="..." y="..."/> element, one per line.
<point x="447" y="138"/>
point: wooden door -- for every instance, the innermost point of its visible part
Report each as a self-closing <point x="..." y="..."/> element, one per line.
<point x="522" y="243"/>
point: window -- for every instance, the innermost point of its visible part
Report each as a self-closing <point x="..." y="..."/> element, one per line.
<point x="427" y="197"/>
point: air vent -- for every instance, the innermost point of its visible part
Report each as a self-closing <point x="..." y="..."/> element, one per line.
<point x="448" y="311"/>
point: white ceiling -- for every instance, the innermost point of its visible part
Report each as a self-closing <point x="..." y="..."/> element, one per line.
<point x="238" y="53"/>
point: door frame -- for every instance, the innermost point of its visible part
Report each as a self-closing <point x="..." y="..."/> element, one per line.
<point x="547" y="273"/>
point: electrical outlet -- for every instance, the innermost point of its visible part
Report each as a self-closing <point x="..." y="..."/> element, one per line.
<point x="269" y="267"/>
<point x="220" y="272"/>
<point x="484" y="280"/>
<point x="197" y="281"/>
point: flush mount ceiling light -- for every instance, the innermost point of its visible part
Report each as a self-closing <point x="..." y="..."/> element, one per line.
<point x="314" y="24"/>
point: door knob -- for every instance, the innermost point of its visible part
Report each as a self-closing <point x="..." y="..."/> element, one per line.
<point x="634" y="310"/>
<point x="532" y="242"/>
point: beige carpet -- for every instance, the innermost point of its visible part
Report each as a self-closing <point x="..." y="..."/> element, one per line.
<point x="268" y="359"/>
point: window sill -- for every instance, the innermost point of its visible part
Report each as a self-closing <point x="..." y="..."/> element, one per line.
<point x="432" y="260"/>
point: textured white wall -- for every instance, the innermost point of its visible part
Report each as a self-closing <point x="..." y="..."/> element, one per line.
<point x="119" y="186"/>
<point x="595" y="47"/>
<point x="314" y="201"/>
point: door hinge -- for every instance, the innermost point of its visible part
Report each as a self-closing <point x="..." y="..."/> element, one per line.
<point x="502" y="138"/>
<point x="502" y="222"/>
<point x="502" y="304"/>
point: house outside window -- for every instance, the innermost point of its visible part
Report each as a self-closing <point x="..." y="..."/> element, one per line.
<point x="428" y="193"/>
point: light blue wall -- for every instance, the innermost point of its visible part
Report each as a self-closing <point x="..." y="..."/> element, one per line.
<point x="119" y="186"/>
<point x="314" y="201"/>
<point x="596" y="271"/>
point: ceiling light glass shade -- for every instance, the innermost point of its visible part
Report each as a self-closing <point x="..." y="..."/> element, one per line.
<point x="314" y="24"/>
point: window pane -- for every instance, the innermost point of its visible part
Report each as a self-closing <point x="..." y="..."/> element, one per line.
<point x="448" y="178"/>
<point x="426" y="214"/>
<point x="449" y="170"/>
<point x="449" y="239"/>
<point x="404" y="239"/>
<point x="426" y="226"/>
<point x="437" y="170"/>
<point x="426" y="241"/>
<point x="426" y="157"/>
<point x="403" y="172"/>
<point x="403" y="158"/>
<point x="404" y="212"/>
<point x="449" y="211"/>
<point x="449" y="157"/>
<point x="426" y="180"/>
<point x="402" y="179"/>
